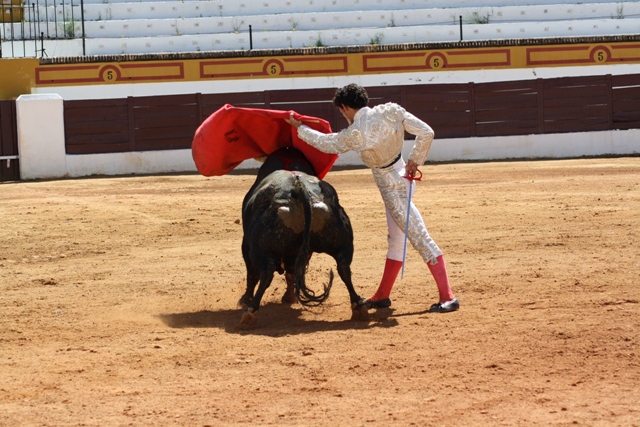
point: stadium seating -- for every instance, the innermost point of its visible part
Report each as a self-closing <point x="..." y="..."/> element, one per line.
<point x="125" y="27"/>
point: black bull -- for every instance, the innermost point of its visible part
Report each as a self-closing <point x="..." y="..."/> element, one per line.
<point x="287" y="215"/>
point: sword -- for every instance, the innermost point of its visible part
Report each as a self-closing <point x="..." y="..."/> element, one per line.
<point x="406" y="228"/>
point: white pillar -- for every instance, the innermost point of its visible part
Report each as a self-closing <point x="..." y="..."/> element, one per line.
<point x="41" y="142"/>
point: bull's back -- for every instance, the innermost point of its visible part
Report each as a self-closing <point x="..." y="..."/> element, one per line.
<point x="275" y="208"/>
<point x="273" y="213"/>
<point x="330" y="227"/>
<point x="321" y="197"/>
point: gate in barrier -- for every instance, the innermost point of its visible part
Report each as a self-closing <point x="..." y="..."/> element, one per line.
<point x="9" y="161"/>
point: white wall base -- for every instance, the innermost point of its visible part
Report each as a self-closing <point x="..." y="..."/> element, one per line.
<point x="137" y="162"/>
<point x="559" y="145"/>
<point x="565" y="145"/>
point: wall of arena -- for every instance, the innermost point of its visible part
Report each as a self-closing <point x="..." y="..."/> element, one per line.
<point x="40" y="88"/>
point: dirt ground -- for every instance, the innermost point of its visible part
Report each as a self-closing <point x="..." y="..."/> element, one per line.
<point x="118" y="305"/>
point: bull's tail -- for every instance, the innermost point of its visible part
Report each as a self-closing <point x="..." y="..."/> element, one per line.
<point x="305" y="295"/>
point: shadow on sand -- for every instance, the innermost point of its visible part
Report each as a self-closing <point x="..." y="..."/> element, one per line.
<point x="275" y="319"/>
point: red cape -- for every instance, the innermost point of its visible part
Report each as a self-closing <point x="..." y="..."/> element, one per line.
<point x="232" y="135"/>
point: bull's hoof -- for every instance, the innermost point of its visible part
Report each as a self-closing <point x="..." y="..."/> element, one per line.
<point x="359" y="310"/>
<point x="249" y="319"/>
<point x="289" y="298"/>
<point x="244" y="302"/>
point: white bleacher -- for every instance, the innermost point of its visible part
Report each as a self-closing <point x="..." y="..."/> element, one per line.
<point x="160" y="22"/>
<point x="267" y="7"/>
<point x="114" y="27"/>
<point x="347" y="37"/>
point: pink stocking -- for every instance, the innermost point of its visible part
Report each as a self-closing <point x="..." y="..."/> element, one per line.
<point x="439" y="272"/>
<point x="391" y="269"/>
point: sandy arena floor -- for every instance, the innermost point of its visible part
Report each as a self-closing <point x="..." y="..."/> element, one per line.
<point x="118" y="305"/>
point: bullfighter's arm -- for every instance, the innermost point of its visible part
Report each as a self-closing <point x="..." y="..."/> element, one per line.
<point x="424" y="137"/>
<point x="334" y="143"/>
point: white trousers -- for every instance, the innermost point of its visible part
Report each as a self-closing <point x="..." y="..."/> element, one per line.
<point x="395" y="194"/>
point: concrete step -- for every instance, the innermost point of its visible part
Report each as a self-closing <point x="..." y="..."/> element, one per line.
<point x="360" y="36"/>
<point x="261" y="7"/>
<point x="167" y="21"/>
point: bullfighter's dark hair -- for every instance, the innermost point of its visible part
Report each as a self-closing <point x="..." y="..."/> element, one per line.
<point x="352" y="95"/>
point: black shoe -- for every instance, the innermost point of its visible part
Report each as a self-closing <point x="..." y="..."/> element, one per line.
<point x="382" y="303"/>
<point x="445" y="307"/>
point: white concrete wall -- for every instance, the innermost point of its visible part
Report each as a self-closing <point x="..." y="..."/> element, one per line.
<point x="40" y="123"/>
<point x="455" y="149"/>
<point x="52" y="48"/>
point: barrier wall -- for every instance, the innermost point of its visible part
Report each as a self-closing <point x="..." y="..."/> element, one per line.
<point x="42" y="148"/>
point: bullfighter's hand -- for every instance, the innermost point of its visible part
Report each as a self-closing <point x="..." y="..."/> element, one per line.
<point x="293" y="122"/>
<point x="411" y="168"/>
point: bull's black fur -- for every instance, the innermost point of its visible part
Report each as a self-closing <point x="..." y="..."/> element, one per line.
<point x="288" y="214"/>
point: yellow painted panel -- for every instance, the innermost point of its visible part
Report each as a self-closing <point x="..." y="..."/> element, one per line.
<point x="21" y="75"/>
<point x="16" y="77"/>
<point x="12" y="11"/>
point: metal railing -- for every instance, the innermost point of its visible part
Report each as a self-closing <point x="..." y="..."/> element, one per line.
<point x="39" y="21"/>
